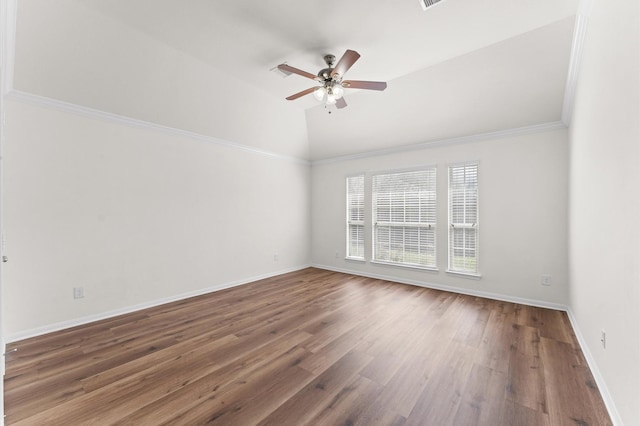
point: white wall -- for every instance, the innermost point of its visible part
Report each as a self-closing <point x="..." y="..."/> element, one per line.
<point x="523" y="186"/>
<point x="135" y="215"/>
<point x="605" y="201"/>
<point x="69" y="52"/>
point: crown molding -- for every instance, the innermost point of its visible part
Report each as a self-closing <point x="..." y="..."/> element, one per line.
<point x="500" y="134"/>
<point x="577" y="47"/>
<point x="68" y="107"/>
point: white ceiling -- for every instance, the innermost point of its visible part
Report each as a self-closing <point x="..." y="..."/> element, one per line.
<point x="511" y="84"/>
<point x="461" y="67"/>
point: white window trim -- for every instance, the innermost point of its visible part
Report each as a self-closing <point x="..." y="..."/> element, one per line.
<point x="406" y="265"/>
<point x="463" y="274"/>
<point x="355" y="222"/>
<point x="433" y="226"/>
<point x="469" y="275"/>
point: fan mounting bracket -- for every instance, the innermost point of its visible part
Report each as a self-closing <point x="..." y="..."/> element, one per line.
<point x="330" y="60"/>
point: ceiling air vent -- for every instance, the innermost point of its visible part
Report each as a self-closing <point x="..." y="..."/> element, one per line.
<point x="428" y="3"/>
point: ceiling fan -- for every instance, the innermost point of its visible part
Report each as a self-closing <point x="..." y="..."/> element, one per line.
<point x="331" y="80"/>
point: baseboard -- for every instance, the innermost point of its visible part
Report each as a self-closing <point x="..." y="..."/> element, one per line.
<point x="134" y="308"/>
<point x="487" y="295"/>
<point x="595" y="371"/>
<point x="600" y="382"/>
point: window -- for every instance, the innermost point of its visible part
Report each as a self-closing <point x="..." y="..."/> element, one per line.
<point x="404" y="218"/>
<point x="463" y="219"/>
<point x="355" y="217"/>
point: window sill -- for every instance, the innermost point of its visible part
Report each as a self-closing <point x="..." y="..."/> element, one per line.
<point x="470" y="275"/>
<point x="400" y="265"/>
<point x="355" y="259"/>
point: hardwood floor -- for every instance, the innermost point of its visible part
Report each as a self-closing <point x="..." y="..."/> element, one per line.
<point x="309" y="347"/>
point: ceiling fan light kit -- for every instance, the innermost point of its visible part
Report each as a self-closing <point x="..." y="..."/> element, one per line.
<point x="332" y="86"/>
<point x="328" y="94"/>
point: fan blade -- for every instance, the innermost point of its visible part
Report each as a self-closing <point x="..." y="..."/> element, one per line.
<point x="290" y="69"/>
<point x="301" y="94"/>
<point x="348" y="59"/>
<point x="370" y="85"/>
<point x="341" y="103"/>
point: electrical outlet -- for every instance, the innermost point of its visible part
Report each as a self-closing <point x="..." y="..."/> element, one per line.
<point x="603" y="339"/>
<point x="337" y="255"/>
<point x="545" y="280"/>
<point x="78" y="292"/>
<point x="275" y="257"/>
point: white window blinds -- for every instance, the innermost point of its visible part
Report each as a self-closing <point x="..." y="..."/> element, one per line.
<point x="404" y="216"/>
<point x="463" y="218"/>
<point x="355" y="217"/>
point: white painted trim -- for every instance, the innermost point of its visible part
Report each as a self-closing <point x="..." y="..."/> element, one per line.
<point x="536" y="128"/>
<point x="484" y="294"/>
<point x="468" y="275"/>
<point x="464" y="274"/>
<point x="419" y="168"/>
<point x="595" y="371"/>
<point x="405" y="265"/>
<point x="68" y="107"/>
<point x="26" y="334"/>
<point x="58" y="105"/>
<point x="579" y="35"/>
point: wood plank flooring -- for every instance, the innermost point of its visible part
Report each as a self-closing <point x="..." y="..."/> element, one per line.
<point x="310" y="347"/>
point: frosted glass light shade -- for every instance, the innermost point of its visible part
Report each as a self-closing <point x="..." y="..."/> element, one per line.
<point x="320" y="93"/>
<point x="337" y="91"/>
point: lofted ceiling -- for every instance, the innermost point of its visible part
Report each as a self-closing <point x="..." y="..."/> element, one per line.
<point x="461" y="67"/>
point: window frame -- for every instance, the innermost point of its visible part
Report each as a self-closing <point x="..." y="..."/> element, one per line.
<point x="432" y="226"/>
<point x="475" y="273"/>
<point x="351" y="222"/>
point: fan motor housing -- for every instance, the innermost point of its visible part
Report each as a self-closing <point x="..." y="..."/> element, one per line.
<point x="325" y="73"/>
